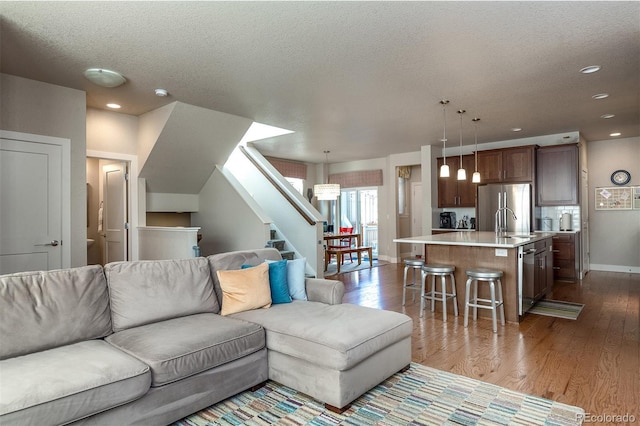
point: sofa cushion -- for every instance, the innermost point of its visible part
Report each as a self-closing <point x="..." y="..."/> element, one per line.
<point x="46" y="309"/>
<point x="334" y="336"/>
<point x="181" y="347"/>
<point x="70" y="382"/>
<point x="235" y="260"/>
<point x="245" y="289"/>
<point x="296" y="278"/>
<point x="143" y="292"/>
<point x="278" y="281"/>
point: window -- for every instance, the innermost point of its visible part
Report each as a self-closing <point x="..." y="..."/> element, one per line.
<point x="298" y="184"/>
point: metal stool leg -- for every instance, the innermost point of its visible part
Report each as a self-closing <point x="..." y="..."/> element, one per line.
<point x="501" y="301"/>
<point x="475" y="300"/>
<point x="455" y="295"/>
<point x="443" y="287"/>
<point x="404" y="285"/>
<point x="492" y="289"/>
<point x="423" y="280"/>
<point x="466" y="302"/>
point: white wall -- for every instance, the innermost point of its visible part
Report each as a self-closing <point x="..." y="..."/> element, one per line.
<point x="614" y="235"/>
<point x="228" y="223"/>
<point x="387" y="194"/>
<point x="304" y="239"/>
<point x="30" y="106"/>
<point x="112" y="132"/>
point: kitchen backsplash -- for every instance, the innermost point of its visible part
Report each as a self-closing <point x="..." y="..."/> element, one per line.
<point x="460" y="213"/>
<point x="554" y="213"/>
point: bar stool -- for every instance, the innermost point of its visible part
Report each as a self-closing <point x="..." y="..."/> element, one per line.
<point x="414" y="264"/>
<point x="442" y="271"/>
<point x="492" y="277"/>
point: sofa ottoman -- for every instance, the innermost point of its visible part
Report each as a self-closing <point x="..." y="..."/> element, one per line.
<point x="334" y="353"/>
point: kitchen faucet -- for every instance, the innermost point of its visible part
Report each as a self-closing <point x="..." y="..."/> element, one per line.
<point x="498" y="225"/>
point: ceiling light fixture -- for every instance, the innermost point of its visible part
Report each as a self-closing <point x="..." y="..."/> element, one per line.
<point x="590" y="69"/>
<point x="462" y="173"/>
<point x="105" y="78"/>
<point x="326" y="191"/>
<point x="600" y="96"/>
<point x="516" y="129"/>
<point x="114" y="106"/>
<point x="615" y="134"/>
<point x="162" y="93"/>
<point x="444" y="169"/>
<point x="607" y="116"/>
<point x="476" y="174"/>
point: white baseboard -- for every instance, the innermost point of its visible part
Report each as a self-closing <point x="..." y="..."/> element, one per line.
<point x="615" y="268"/>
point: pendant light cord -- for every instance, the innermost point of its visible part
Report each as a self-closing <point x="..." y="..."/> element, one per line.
<point x="444" y="103"/>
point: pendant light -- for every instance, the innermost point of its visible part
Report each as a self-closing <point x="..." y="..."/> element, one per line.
<point x="444" y="169"/>
<point x="327" y="191"/>
<point x="462" y="173"/>
<point x="476" y="174"/>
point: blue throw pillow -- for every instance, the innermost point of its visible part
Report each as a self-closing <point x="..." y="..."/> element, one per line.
<point x="277" y="281"/>
<point x="296" y="278"/>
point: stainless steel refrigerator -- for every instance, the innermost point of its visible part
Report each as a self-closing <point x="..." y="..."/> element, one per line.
<point x="516" y="197"/>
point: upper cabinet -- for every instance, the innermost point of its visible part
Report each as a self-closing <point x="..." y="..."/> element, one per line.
<point x="557" y="175"/>
<point x="507" y="165"/>
<point x="453" y="192"/>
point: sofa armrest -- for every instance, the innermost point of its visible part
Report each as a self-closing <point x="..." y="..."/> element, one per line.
<point x="325" y="291"/>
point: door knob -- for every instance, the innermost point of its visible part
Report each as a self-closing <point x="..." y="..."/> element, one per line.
<point x="52" y="243"/>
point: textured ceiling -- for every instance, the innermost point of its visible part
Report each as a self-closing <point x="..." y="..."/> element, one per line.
<point x="361" y="79"/>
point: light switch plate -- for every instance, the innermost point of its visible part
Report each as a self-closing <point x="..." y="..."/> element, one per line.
<point x="501" y="252"/>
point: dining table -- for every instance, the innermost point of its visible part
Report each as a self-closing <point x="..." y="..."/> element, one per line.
<point x="329" y="236"/>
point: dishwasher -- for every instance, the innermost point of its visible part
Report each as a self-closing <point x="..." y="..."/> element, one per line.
<point x="532" y="257"/>
<point x="527" y="292"/>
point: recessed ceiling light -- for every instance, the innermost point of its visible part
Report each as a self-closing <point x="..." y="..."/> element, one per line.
<point x="104" y="78"/>
<point x="516" y="129"/>
<point x="590" y="69"/>
<point x="600" y="96"/>
<point x="162" y="93"/>
<point x="607" y="116"/>
<point x="615" y="134"/>
<point x="114" y="106"/>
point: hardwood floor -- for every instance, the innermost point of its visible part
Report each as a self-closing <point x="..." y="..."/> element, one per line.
<point x="593" y="362"/>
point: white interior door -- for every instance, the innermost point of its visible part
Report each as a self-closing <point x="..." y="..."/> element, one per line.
<point x="114" y="181"/>
<point x="30" y="206"/>
<point x="416" y="216"/>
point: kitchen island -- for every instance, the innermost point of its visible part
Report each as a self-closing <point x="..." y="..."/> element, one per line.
<point x="526" y="261"/>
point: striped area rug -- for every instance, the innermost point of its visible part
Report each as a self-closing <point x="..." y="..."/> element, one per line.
<point x="419" y="396"/>
<point x="555" y="308"/>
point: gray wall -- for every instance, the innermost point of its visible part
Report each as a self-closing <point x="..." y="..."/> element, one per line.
<point x="614" y="234"/>
<point x="228" y="223"/>
<point x="109" y="131"/>
<point x="30" y="106"/>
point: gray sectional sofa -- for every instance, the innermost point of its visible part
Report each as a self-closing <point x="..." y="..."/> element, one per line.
<point x="144" y="342"/>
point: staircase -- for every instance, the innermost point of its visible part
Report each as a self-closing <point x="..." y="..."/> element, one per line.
<point x="279" y="245"/>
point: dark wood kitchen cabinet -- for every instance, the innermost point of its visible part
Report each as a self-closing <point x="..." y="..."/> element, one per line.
<point x="564" y="257"/>
<point x="507" y="165"/>
<point x="557" y="175"/>
<point x="543" y="265"/>
<point x="453" y="192"/>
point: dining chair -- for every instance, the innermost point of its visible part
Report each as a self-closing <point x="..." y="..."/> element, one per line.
<point x="344" y="242"/>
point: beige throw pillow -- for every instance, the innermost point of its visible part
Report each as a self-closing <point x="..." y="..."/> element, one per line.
<point x="245" y="289"/>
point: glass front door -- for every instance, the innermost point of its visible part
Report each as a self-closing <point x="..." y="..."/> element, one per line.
<point x="359" y="209"/>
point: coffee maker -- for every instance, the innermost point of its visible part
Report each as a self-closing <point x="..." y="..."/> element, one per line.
<point x="448" y="220"/>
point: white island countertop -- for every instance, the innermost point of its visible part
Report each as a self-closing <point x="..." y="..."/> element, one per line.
<point x="477" y="239"/>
